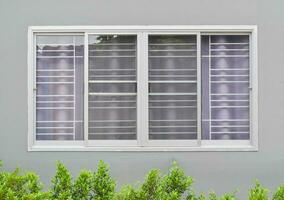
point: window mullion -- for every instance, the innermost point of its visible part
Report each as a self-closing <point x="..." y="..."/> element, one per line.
<point x="199" y="99"/>
<point x="142" y="89"/>
<point x="86" y="88"/>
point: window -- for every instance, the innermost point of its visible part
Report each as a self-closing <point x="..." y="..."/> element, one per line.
<point x="143" y="88"/>
<point x="59" y="87"/>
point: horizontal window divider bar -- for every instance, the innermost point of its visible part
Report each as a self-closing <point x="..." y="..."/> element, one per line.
<point x="59" y="121"/>
<point x="229" y="43"/>
<point x="105" y="107"/>
<point x="54" y="101"/>
<point x="110" y="101"/>
<point x="229" y="106"/>
<point x="54" y="83"/>
<point x="230" y="100"/>
<point x="110" y="50"/>
<point x="114" y="76"/>
<point x="55" y="50"/>
<point x="172" y="69"/>
<point x="171" y="94"/>
<point x="177" y="126"/>
<point x="230" y="94"/>
<point x="172" y="56"/>
<point x="159" y="107"/>
<point x="112" y="81"/>
<point x="112" y="133"/>
<point x="111" y="44"/>
<point x="229" y="49"/>
<point x="168" y="100"/>
<point x="111" y="94"/>
<point x="55" y="108"/>
<point x="226" y="120"/>
<point x="171" y="81"/>
<point x="225" y="56"/>
<point x="151" y="44"/>
<point x="112" y="56"/>
<point x="54" y="95"/>
<point x="172" y="75"/>
<point x="94" y="127"/>
<point x="230" y="69"/>
<point x="235" y="75"/>
<point x="112" y="69"/>
<point x="55" y="70"/>
<point x="229" y="126"/>
<point x="228" y="132"/>
<point x="59" y="57"/>
<point x="55" y="76"/>
<point x="171" y="50"/>
<point x="54" y="127"/>
<point x="53" y="134"/>
<point x="179" y="132"/>
<point x="229" y="81"/>
<point x="112" y="121"/>
<point x="173" y="120"/>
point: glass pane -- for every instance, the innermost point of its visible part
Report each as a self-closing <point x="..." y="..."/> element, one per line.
<point x="112" y="87"/>
<point x="225" y="87"/>
<point x="172" y="87"/>
<point x="59" y="80"/>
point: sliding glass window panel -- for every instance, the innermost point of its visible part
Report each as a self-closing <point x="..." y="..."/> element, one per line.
<point x="225" y="87"/>
<point x="59" y="82"/>
<point x="112" y="87"/>
<point x="172" y="87"/>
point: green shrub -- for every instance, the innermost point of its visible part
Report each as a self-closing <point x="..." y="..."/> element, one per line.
<point x="258" y="192"/>
<point x="14" y="185"/>
<point x="152" y="188"/>
<point x="158" y="187"/>
<point x="102" y="185"/>
<point x="230" y="196"/>
<point x="279" y="194"/>
<point x="99" y="185"/>
<point x="38" y="196"/>
<point x="127" y="193"/>
<point x="61" y="183"/>
<point x="176" y="181"/>
<point x="191" y="195"/>
<point x="212" y="196"/>
<point x="82" y="186"/>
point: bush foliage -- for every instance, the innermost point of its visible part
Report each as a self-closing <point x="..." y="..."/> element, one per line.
<point x="98" y="185"/>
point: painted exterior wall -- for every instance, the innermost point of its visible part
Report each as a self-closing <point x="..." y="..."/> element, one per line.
<point x="223" y="171"/>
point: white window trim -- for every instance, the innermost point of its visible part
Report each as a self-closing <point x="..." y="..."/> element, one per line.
<point x="142" y="143"/>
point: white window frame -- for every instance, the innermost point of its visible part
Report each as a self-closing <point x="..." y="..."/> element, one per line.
<point x="143" y="143"/>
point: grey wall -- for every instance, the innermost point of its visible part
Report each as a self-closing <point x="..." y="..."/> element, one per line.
<point x="223" y="171"/>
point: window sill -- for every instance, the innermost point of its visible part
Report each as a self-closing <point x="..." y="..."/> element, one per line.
<point x="204" y="148"/>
